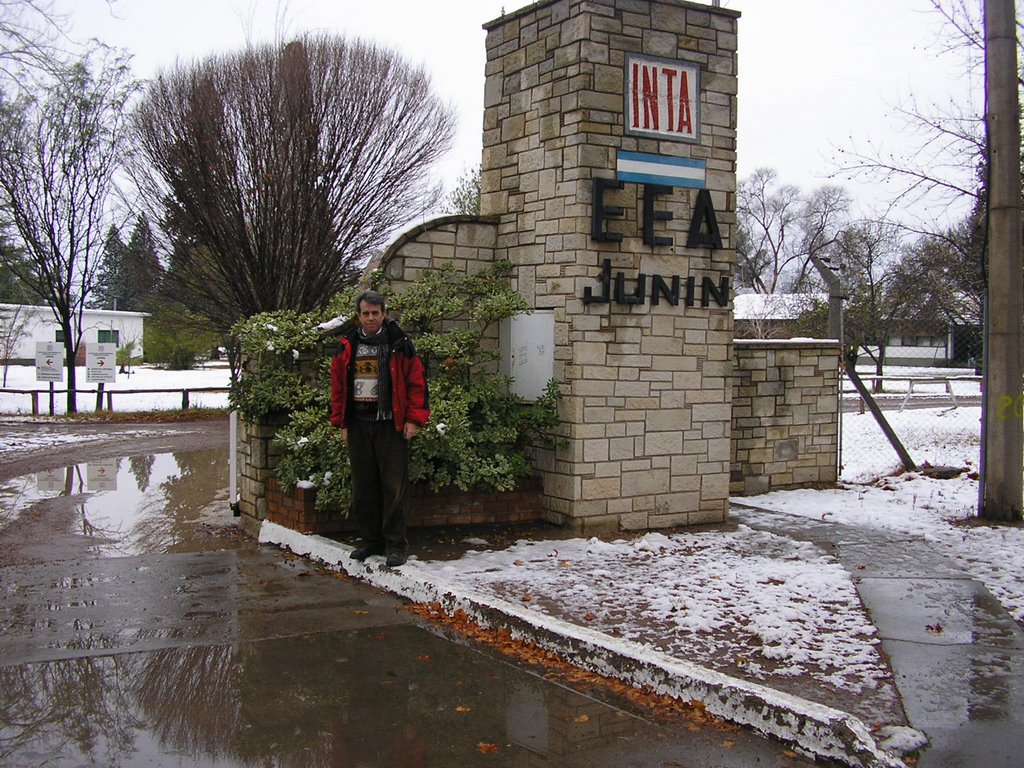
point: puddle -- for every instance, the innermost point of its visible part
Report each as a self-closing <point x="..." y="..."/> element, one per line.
<point x="165" y="502"/>
<point x="378" y="697"/>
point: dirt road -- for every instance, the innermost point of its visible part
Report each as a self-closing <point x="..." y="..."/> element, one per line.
<point x="41" y="527"/>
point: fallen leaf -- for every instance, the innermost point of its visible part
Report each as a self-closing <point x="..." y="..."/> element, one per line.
<point x="517" y="562"/>
<point x="362" y="613"/>
<point x="789" y="753"/>
<point x="582" y="719"/>
<point x="463" y="709"/>
<point x="728" y="744"/>
<point x="423" y="658"/>
<point x="936" y="628"/>
<point x="484" y="747"/>
<point x="589" y="617"/>
<point x="563" y="564"/>
<point x="527" y="598"/>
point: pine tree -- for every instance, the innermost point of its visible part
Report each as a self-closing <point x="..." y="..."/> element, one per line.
<point x="109" y="292"/>
<point x="142" y="269"/>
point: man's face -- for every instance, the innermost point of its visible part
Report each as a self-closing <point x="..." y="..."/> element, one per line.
<point x="371" y="317"/>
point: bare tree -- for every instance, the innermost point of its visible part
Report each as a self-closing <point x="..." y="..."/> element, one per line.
<point x="32" y="37"/>
<point x="464" y="198"/>
<point x="12" y="329"/>
<point x="949" y="144"/>
<point x="884" y="289"/>
<point x="767" y="217"/>
<point x="781" y="229"/>
<point x="59" y="151"/>
<point x="276" y="172"/>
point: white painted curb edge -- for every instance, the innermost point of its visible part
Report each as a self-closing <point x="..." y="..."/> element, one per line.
<point x="816" y="728"/>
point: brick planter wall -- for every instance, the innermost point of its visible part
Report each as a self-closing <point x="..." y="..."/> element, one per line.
<point x="295" y="508"/>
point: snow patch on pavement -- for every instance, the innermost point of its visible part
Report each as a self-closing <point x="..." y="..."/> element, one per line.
<point x="819" y="729"/>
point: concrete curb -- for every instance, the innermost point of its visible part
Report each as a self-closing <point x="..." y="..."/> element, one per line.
<point x="816" y="728"/>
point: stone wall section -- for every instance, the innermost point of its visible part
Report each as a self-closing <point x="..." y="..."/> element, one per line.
<point x="258" y="455"/>
<point x="647" y="401"/>
<point x="465" y="242"/>
<point x="785" y="425"/>
<point x="663" y="416"/>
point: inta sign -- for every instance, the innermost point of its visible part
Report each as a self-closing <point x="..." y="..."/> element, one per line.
<point x="662" y="98"/>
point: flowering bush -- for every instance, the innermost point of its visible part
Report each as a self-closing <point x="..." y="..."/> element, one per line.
<point x="480" y="434"/>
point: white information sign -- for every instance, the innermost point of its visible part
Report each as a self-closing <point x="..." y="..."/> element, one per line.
<point x="49" y="361"/>
<point x="100" y="363"/>
<point x="52" y="479"/>
<point x="101" y="475"/>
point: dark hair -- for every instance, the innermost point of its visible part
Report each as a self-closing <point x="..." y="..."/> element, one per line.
<point x="370" y="297"/>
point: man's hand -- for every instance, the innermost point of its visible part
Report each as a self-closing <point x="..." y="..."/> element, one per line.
<point x="410" y="430"/>
<point x="344" y="435"/>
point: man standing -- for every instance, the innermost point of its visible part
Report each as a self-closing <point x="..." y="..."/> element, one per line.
<point x="379" y="401"/>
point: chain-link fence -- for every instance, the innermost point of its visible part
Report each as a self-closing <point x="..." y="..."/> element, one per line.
<point x="934" y="412"/>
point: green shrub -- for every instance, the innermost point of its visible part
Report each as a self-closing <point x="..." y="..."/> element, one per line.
<point x="174" y="338"/>
<point x="480" y="434"/>
<point x="314" y="453"/>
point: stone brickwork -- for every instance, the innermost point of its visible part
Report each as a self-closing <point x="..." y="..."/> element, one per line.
<point x="258" y="455"/>
<point x="465" y="242"/>
<point x="647" y="397"/>
<point x="784" y="415"/>
<point x="662" y="418"/>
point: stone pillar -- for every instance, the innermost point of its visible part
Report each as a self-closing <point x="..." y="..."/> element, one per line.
<point x="609" y="162"/>
<point x="257" y="458"/>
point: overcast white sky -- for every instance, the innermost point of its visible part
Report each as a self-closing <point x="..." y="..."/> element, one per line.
<point x="814" y="74"/>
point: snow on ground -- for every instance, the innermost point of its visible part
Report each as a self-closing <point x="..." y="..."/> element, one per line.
<point x="739" y="599"/>
<point x="940" y="436"/>
<point x="145" y="377"/>
<point x="743" y="600"/>
<point x="15" y="442"/>
<point x="939" y="511"/>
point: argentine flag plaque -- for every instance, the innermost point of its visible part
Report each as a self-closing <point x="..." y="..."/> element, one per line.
<point x="667" y="171"/>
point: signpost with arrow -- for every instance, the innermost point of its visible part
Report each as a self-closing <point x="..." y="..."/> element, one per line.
<point x="100" y="368"/>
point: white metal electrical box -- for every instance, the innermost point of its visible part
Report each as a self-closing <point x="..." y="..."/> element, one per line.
<point x="528" y="352"/>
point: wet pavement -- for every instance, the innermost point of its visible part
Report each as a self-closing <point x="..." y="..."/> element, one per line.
<point x="138" y="628"/>
<point x="957" y="655"/>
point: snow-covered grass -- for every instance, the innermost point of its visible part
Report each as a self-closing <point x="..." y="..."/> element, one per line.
<point x="144" y="377"/>
<point x="747" y="600"/>
<point x="940" y="436"/>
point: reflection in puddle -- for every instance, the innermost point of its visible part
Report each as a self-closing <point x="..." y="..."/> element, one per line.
<point x="350" y="698"/>
<point x="133" y="505"/>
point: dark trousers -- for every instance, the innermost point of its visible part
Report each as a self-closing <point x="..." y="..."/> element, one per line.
<point x="379" y="455"/>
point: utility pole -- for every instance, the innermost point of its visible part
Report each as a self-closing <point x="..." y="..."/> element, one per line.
<point x="1000" y="495"/>
<point x="829" y="273"/>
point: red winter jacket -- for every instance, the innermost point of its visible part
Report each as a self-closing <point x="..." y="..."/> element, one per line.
<point x="409" y="397"/>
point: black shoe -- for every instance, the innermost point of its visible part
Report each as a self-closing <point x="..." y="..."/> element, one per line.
<point x="366" y="551"/>
<point x="395" y="559"/>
